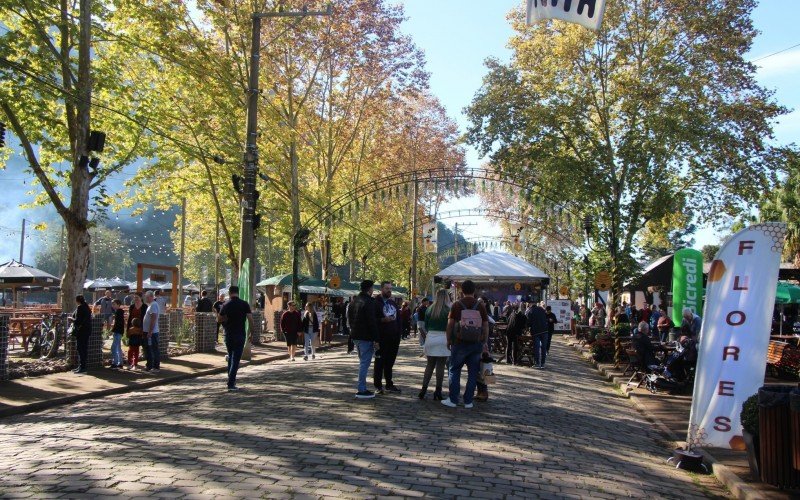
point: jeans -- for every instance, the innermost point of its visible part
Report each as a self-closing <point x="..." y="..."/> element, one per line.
<point x="82" y="342"/>
<point x="308" y="345"/>
<point x="235" y="346"/>
<point x="117" y="358"/>
<point x="152" y="352"/>
<point x="539" y="349"/>
<point x="388" y="347"/>
<point x="461" y="354"/>
<point x="366" y="348"/>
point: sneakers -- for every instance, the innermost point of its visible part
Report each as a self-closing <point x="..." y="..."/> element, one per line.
<point x="233" y="389"/>
<point x="468" y="406"/>
<point x="393" y="389"/>
<point x="365" y="395"/>
<point x="156" y="370"/>
<point x="379" y="390"/>
<point x="305" y="358"/>
<point x="449" y="403"/>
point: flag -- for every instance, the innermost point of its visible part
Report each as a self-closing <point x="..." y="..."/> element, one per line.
<point x="587" y="13"/>
<point x="687" y="282"/>
<point x="732" y="356"/>
<point x="430" y="236"/>
<point x="244" y="294"/>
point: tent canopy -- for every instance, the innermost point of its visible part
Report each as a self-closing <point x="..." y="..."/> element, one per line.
<point x="14" y="272"/>
<point x="286" y="280"/>
<point x="493" y="267"/>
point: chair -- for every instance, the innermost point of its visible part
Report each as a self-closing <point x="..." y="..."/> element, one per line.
<point x="635" y="366"/>
<point x="526" y="350"/>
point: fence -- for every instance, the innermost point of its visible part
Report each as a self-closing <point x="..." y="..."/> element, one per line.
<point x="4" y="347"/>
<point x="95" y="358"/>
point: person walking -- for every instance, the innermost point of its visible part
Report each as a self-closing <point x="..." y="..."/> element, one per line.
<point x="204" y="305"/>
<point x="310" y="331"/>
<point x="136" y="315"/>
<point x="117" y="330"/>
<point x="363" y="316"/>
<point x="106" y="309"/>
<point x="291" y="325"/>
<point x="552" y="319"/>
<point x="537" y="322"/>
<point x="152" y="351"/>
<point x="233" y="315"/>
<point x="388" y="341"/>
<point x="405" y="320"/>
<point x="467" y="331"/>
<point x="435" y="345"/>
<point x="516" y="327"/>
<point x="82" y="329"/>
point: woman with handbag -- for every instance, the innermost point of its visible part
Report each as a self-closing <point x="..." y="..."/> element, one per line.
<point x="134" y="329"/>
<point x="310" y="332"/>
<point x="82" y="329"/>
<point x="435" y="346"/>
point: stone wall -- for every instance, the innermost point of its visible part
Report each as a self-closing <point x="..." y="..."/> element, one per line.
<point x="258" y="327"/>
<point x="164" y="335"/>
<point x="95" y="346"/>
<point x="3" y="347"/>
<point x="205" y="334"/>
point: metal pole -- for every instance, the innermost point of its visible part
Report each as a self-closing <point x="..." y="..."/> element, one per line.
<point x="455" y="244"/>
<point x="183" y="252"/>
<point x="216" y="259"/>
<point x="414" y="229"/>
<point x="22" y="243"/>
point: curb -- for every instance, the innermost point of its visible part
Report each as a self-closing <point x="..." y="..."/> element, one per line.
<point x="737" y="486"/>
<point x="51" y="403"/>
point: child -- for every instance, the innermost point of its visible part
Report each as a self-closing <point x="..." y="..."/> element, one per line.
<point x="117" y="329"/>
<point x="134" y="341"/>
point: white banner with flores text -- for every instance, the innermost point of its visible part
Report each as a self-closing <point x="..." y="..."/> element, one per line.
<point x="587" y="13"/>
<point x="732" y="354"/>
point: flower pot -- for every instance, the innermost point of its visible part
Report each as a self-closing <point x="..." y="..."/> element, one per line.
<point x="751" y="442"/>
<point x="687" y="460"/>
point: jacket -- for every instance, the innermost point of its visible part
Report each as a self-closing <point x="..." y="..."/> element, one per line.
<point x="516" y="324"/>
<point x="314" y="322"/>
<point x="132" y="314"/>
<point x="291" y="322"/>
<point x="362" y="315"/>
<point x="537" y="320"/>
<point x="83" y="320"/>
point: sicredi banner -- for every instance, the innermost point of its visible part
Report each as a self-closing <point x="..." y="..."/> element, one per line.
<point x="732" y="354"/>
<point x="687" y="283"/>
<point x="587" y="13"/>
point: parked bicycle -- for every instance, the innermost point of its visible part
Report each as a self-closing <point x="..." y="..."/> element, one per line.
<point x="47" y="336"/>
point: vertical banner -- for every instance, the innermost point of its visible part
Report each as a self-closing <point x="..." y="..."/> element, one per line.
<point x="430" y="236"/>
<point x="732" y="356"/>
<point x="516" y="237"/>
<point x="687" y="283"/>
<point x="587" y="13"/>
<point x="244" y="294"/>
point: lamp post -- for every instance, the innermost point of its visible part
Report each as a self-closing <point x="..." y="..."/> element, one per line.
<point x="247" y="248"/>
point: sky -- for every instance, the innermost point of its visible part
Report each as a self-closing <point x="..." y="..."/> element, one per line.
<point x="457" y="36"/>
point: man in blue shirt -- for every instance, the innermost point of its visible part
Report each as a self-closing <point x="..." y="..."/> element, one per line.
<point x="692" y="323"/>
<point x="233" y="315"/>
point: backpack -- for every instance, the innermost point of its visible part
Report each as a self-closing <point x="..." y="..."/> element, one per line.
<point x="470" y="327"/>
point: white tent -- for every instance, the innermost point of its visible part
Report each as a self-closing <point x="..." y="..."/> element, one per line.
<point x="493" y="267"/>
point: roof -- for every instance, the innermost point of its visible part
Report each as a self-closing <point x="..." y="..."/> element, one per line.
<point x="16" y="272"/>
<point x="495" y="267"/>
<point x="286" y="280"/>
<point x="657" y="273"/>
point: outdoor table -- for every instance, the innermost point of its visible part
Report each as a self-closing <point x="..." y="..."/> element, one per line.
<point x="786" y="338"/>
<point x="24" y="325"/>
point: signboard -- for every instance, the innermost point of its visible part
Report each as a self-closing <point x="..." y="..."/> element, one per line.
<point x="430" y="237"/>
<point x="687" y="283"/>
<point x="602" y="281"/>
<point x="335" y="282"/>
<point x="587" y="13"/>
<point x="732" y="354"/>
<point x="518" y="286"/>
<point x="564" y="290"/>
<point x="158" y="277"/>
<point x="563" y="311"/>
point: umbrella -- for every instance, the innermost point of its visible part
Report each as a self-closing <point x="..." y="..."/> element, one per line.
<point x="286" y="280"/>
<point x="15" y="274"/>
<point x="114" y="284"/>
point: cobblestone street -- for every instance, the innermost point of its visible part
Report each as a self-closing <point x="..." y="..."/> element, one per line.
<point x="296" y="431"/>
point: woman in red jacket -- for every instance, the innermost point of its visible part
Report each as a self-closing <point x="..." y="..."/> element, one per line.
<point x="291" y="324"/>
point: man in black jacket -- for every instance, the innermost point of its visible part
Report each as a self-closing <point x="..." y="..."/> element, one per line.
<point x="516" y="327"/>
<point x="388" y="340"/>
<point x="204" y="305"/>
<point x="363" y="315"/>
<point x="537" y="321"/>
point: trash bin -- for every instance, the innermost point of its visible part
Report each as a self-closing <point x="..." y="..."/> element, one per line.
<point x="794" y="415"/>
<point x="775" y="435"/>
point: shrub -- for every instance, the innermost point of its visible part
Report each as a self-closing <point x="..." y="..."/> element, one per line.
<point x="749" y="415"/>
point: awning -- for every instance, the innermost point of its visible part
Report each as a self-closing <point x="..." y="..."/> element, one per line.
<point x="787" y="293"/>
<point x="493" y="267"/>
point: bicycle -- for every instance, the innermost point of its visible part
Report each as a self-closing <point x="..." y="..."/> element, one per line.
<point x="54" y="332"/>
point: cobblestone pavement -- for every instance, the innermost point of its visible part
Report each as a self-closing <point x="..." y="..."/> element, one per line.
<point x="295" y="431"/>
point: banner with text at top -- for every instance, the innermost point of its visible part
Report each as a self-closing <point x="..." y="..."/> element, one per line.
<point x="732" y="355"/>
<point x="587" y="13"/>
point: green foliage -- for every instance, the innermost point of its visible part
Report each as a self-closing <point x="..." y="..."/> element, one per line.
<point x="749" y="415"/>
<point x="657" y="113"/>
<point x="709" y="252"/>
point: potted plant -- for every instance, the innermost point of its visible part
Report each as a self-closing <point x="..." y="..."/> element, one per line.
<point x="749" y="419"/>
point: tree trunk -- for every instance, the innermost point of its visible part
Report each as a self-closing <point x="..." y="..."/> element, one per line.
<point x="78" y="253"/>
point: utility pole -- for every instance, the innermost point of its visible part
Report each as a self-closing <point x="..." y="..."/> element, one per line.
<point x="247" y="248"/>
<point x="413" y="277"/>
<point x="22" y="243"/>
<point x="183" y="252"/>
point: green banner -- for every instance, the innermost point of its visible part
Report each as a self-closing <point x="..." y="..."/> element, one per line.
<point x="687" y="283"/>
<point x="244" y="288"/>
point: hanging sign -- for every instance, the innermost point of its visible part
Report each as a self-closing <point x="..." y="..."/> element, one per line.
<point x="430" y="236"/>
<point x="335" y="282"/>
<point x="687" y="283"/>
<point x="518" y="286"/>
<point x="564" y="290"/>
<point x="735" y="333"/>
<point x="587" y="13"/>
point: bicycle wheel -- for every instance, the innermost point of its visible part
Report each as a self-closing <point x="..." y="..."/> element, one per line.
<point x="35" y="342"/>
<point x="50" y="343"/>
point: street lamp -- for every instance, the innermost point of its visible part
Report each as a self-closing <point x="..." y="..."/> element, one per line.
<point x="247" y="248"/>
